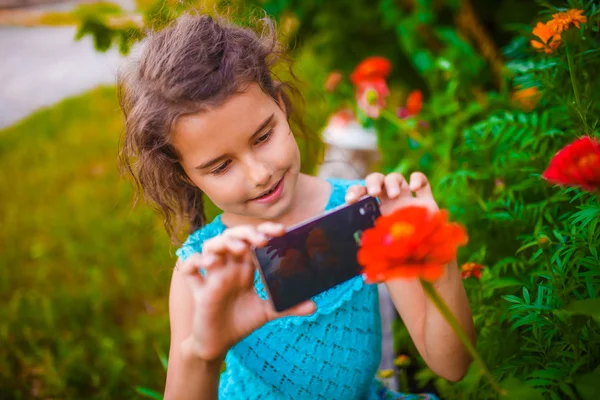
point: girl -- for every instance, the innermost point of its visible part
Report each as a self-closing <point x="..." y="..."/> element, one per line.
<point x="205" y="115"/>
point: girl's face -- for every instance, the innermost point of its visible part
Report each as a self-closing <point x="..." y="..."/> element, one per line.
<point x="242" y="155"/>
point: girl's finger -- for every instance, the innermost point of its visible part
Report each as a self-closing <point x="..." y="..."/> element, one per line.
<point x="375" y="184"/>
<point x="245" y="270"/>
<point x="223" y="244"/>
<point x="210" y="260"/>
<point x="396" y="186"/>
<point x="303" y="309"/>
<point x="354" y="193"/>
<point x="248" y="234"/>
<point x="271" y="229"/>
<point x="419" y="184"/>
<point x="190" y="269"/>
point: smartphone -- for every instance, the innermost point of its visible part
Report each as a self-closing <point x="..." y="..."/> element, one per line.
<point x="315" y="255"/>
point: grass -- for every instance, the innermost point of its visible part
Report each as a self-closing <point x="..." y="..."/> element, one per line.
<point x="84" y="277"/>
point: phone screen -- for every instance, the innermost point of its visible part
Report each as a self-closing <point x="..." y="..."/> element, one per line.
<point x="316" y="255"/>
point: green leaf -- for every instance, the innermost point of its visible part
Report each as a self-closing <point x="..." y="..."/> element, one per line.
<point x="498" y="283"/>
<point x="512" y="299"/>
<point x="148" y="393"/>
<point x="517" y="390"/>
<point x="548" y="373"/>
<point x="526" y="295"/>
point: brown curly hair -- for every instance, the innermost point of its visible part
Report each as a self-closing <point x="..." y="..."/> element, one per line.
<point x="195" y="62"/>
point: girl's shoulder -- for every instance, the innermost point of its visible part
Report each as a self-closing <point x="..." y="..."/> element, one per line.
<point x="193" y="243"/>
<point x="339" y="187"/>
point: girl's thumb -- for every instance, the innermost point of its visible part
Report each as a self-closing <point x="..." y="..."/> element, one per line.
<point x="305" y="308"/>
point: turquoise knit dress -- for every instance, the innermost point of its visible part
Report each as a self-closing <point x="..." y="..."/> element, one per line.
<point x="331" y="354"/>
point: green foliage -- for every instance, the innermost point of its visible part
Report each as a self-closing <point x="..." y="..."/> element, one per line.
<point x="83" y="277"/>
<point x="536" y="306"/>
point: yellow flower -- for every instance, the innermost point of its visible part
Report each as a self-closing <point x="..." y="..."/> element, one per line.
<point x="549" y="39"/>
<point x="562" y="21"/>
<point x="385" y="373"/>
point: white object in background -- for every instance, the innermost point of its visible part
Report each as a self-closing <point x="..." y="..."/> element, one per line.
<point x="344" y="131"/>
<point x="350" y="150"/>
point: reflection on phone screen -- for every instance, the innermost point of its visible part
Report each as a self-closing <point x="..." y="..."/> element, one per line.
<point x="314" y="257"/>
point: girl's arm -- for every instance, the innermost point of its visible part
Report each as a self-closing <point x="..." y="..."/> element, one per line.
<point x="188" y="375"/>
<point x="211" y="312"/>
<point x="434" y="338"/>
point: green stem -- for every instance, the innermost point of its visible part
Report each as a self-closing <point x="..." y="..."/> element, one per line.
<point x="392" y="118"/>
<point x="574" y="84"/>
<point x="398" y="123"/>
<point x="442" y="307"/>
<point x="403" y="380"/>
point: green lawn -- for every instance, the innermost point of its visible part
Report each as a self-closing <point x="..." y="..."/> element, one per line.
<point x="84" y="277"/>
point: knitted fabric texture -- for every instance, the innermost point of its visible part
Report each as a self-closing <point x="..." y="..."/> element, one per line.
<point x="331" y="354"/>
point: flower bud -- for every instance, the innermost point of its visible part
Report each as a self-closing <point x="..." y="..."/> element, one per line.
<point x="402" y="361"/>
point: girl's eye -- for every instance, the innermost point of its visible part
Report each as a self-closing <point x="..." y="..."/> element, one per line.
<point x="265" y="137"/>
<point x="221" y="168"/>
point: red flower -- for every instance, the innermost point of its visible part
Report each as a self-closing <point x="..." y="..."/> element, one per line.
<point x="370" y="96"/>
<point x="471" y="269"/>
<point x="412" y="242"/>
<point x="577" y="164"/>
<point x="371" y="68"/>
<point x="414" y="102"/>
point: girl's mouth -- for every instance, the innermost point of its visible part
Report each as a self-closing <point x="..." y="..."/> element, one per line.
<point x="272" y="195"/>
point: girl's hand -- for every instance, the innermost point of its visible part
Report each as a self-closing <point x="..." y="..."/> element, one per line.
<point x="226" y="305"/>
<point x="395" y="192"/>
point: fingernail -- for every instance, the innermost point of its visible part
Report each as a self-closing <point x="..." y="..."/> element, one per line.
<point x="393" y="192"/>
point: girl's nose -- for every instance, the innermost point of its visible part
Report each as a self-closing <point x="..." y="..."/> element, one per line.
<point x="259" y="174"/>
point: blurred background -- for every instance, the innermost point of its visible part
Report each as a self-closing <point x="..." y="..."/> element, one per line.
<point x="84" y="275"/>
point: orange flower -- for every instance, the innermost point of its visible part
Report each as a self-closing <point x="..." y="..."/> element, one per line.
<point x="577" y="164"/>
<point x="527" y="98"/>
<point x="562" y="21"/>
<point x="371" y="68"/>
<point x="471" y="269"/>
<point x="549" y="39"/>
<point x="412" y="242"/>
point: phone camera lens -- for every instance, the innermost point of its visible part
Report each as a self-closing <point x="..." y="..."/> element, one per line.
<point x="370" y="207"/>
